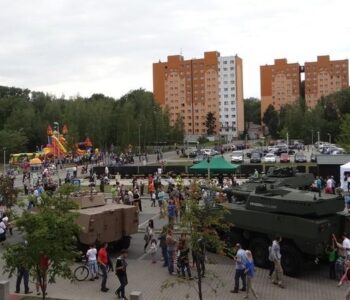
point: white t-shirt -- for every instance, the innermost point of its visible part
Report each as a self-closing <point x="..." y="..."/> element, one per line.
<point x="330" y="183"/>
<point x="346" y="244"/>
<point x="2" y="227"/>
<point x="91" y="254"/>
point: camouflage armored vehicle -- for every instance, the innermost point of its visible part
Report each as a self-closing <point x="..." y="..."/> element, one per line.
<point x="305" y="220"/>
<point x="101" y="222"/>
<point x="276" y="177"/>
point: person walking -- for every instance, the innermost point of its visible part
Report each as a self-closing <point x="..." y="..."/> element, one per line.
<point x="149" y="231"/>
<point x="92" y="262"/>
<point x="153" y="250"/>
<point x="198" y="256"/>
<point x="183" y="260"/>
<point x="240" y="260"/>
<point x="22" y="272"/>
<point x="250" y="273"/>
<point x="276" y="258"/>
<point x="171" y="247"/>
<point x="120" y="271"/>
<point x="103" y="261"/>
<point x="163" y="246"/>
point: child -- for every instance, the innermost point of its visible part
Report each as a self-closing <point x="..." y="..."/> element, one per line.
<point x="153" y="198"/>
<point x="250" y="273"/>
<point x="331" y="251"/>
<point x="153" y="250"/>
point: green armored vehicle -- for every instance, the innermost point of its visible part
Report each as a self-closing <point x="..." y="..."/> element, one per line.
<point x="305" y="220"/>
<point x="276" y="177"/>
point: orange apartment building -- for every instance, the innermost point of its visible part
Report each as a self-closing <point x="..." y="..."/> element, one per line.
<point x="189" y="89"/>
<point x="281" y="83"/>
<point x="324" y="77"/>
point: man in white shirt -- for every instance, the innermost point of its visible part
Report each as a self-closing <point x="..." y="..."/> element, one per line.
<point x="92" y="262"/>
<point x="345" y="245"/>
<point x="2" y="231"/>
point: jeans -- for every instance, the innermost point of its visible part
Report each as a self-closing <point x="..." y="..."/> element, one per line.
<point x="165" y="256"/>
<point x="22" y="273"/>
<point x="123" y="279"/>
<point x="93" y="268"/>
<point x="171" y="261"/>
<point x="250" y="288"/>
<point x="240" y="274"/>
<point x="104" y="277"/>
<point x="331" y="269"/>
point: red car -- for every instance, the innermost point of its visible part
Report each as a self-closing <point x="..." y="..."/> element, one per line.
<point x="284" y="158"/>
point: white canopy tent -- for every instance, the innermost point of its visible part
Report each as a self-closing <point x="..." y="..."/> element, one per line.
<point x="344" y="173"/>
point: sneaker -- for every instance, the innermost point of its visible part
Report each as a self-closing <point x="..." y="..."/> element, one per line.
<point x="17" y="292"/>
<point x="234" y="291"/>
<point x="243" y="289"/>
<point x="28" y="292"/>
<point x="281" y="285"/>
<point x="92" y="279"/>
<point x="105" y="290"/>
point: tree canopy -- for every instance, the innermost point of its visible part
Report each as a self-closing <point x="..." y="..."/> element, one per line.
<point x="25" y="115"/>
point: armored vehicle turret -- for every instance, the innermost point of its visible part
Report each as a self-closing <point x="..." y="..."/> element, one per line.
<point x="277" y="177"/>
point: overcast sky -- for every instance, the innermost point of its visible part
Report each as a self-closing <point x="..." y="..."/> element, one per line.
<point x="108" y="46"/>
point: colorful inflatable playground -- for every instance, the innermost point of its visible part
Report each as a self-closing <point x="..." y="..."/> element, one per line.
<point x="56" y="148"/>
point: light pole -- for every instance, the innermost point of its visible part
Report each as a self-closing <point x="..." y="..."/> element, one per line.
<point x="4" y="161"/>
<point x="329" y="138"/>
<point x="287" y="140"/>
<point x="318" y="138"/>
<point x="312" y="136"/>
<point x="208" y="161"/>
<point x="138" y="165"/>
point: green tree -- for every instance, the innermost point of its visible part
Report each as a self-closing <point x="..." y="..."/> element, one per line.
<point x="210" y="123"/>
<point x="344" y="136"/>
<point x="47" y="233"/>
<point x="252" y="107"/>
<point x="271" y="120"/>
<point x="13" y="141"/>
<point x="8" y="193"/>
<point x="201" y="221"/>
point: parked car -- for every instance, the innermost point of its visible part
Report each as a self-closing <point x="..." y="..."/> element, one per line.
<point x="300" y="157"/>
<point x="284" y="150"/>
<point x="237" y="157"/>
<point x="284" y="158"/>
<point x="270" y="158"/>
<point x="199" y="158"/>
<point x="209" y="152"/>
<point x="255" y="157"/>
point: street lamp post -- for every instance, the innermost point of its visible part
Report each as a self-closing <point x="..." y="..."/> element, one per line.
<point x="329" y="138"/>
<point x="312" y="136"/>
<point x="208" y="161"/>
<point x="138" y="165"/>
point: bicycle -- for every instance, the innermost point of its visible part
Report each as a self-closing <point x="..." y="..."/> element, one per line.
<point x="82" y="272"/>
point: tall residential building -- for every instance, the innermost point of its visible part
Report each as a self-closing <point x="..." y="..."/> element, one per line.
<point x="279" y="83"/>
<point x="190" y="89"/>
<point x="324" y="77"/>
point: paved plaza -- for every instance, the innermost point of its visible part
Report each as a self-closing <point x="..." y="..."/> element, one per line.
<point x="148" y="278"/>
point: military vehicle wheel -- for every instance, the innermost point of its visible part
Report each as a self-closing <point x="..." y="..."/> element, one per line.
<point x="260" y="250"/>
<point x="292" y="260"/>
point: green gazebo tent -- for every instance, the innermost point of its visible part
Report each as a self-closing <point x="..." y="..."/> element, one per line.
<point x="216" y="164"/>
